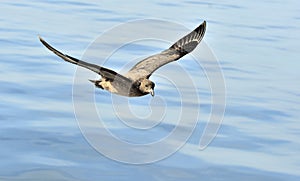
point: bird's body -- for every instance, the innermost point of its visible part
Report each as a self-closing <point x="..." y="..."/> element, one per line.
<point x="136" y="81"/>
<point x="117" y="86"/>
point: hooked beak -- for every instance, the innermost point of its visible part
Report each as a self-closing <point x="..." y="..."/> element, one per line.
<point x="152" y="92"/>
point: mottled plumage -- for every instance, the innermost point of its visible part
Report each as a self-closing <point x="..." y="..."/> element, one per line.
<point x="136" y="81"/>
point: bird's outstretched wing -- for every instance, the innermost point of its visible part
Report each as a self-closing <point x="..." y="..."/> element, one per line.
<point x="182" y="47"/>
<point x="104" y="72"/>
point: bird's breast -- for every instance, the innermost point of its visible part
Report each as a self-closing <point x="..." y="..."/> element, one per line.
<point x="121" y="88"/>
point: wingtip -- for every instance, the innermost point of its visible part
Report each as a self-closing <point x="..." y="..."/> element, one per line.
<point x="203" y="24"/>
<point x="40" y="38"/>
<point x="47" y="45"/>
<point x="202" y="27"/>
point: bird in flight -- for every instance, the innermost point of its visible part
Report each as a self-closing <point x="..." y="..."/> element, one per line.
<point x="136" y="81"/>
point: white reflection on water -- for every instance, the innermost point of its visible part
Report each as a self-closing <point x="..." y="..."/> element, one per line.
<point x="258" y="49"/>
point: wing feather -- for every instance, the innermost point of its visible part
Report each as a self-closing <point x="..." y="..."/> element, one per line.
<point x="104" y="72"/>
<point x="182" y="47"/>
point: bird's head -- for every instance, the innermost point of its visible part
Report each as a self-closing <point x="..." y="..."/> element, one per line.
<point x="147" y="86"/>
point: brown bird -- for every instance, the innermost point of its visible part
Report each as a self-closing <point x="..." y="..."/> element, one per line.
<point x="136" y="81"/>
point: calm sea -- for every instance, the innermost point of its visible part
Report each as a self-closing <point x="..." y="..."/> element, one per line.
<point x="255" y="42"/>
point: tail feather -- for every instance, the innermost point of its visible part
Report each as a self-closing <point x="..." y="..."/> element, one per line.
<point x="189" y="42"/>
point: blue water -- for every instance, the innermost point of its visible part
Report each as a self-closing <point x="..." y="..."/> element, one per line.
<point x="257" y="44"/>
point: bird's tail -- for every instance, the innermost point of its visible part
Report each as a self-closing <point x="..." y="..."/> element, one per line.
<point x="189" y="42"/>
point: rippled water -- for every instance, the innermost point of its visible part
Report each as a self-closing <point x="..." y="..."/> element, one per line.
<point x="256" y="43"/>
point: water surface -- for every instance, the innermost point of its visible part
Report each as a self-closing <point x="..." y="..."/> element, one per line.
<point x="255" y="42"/>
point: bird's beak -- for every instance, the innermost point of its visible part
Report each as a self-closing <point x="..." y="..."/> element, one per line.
<point x="152" y="92"/>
